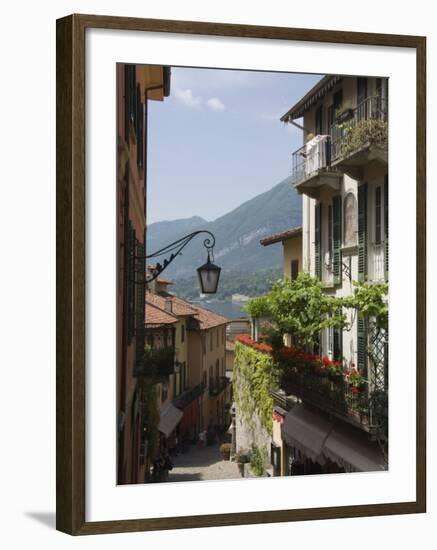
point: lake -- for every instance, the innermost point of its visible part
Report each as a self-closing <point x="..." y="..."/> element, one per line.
<point x="231" y="310"/>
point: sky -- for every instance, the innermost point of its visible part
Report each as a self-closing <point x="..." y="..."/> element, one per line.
<point x="217" y="140"/>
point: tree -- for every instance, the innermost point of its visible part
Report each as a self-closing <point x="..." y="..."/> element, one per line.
<point x="299" y="307"/>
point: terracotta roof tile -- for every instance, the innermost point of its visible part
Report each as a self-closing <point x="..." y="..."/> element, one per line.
<point x="283" y="236"/>
<point x="209" y="319"/>
<point x="157" y="316"/>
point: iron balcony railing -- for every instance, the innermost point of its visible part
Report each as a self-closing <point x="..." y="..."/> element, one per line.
<point x="335" y="397"/>
<point x="156" y="362"/>
<point x="349" y="132"/>
<point x="188" y="396"/>
<point x="310" y="158"/>
<point x="344" y="136"/>
<point x="219" y="384"/>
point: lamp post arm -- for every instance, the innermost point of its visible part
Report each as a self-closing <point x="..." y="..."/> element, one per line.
<point x="174" y="249"/>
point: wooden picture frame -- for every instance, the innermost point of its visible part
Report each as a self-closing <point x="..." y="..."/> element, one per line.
<point x="70" y="202"/>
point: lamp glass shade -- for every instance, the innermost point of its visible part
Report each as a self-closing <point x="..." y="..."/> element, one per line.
<point x="209" y="275"/>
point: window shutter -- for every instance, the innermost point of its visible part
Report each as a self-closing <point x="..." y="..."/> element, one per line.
<point x="338" y="344"/>
<point x="130" y="278"/>
<point x="386" y="226"/>
<point x="362" y="343"/>
<point x="318" y="240"/>
<point x="362" y="232"/>
<point x="140" y="303"/>
<point x="336" y="231"/>
<point x="139" y="125"/>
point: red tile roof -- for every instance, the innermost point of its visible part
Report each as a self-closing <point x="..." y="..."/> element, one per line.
<point x="179" y="306"/>
<point x="157" y="316"/>
<point x="208" y="319"/>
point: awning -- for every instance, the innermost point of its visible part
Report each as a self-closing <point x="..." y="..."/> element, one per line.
<point x="352" y="451"/>
<point x="169" y="418"/>
<point x="305" y="430"/>
<point x="319" y="439"/>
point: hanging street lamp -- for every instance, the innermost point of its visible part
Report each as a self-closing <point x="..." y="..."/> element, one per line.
<point x="208" y="273"/>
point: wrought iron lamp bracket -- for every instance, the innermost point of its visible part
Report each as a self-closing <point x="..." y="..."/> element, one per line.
<point x="174" y="249"/>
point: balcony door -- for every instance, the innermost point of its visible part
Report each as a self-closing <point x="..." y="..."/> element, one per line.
<point x="361" y="97"/>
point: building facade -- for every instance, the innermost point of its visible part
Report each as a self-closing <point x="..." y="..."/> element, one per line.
<point x="342" y="172"/>
<point x="136" y="85"/>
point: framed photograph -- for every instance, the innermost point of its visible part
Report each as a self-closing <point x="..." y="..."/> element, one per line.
<point x="241" y="274"/>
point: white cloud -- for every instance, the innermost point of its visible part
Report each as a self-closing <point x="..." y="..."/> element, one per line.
<point x="187" y="98"/>
<point x="215" y="104"/>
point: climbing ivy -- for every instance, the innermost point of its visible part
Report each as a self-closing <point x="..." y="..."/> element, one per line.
<point x="255" y="373"/>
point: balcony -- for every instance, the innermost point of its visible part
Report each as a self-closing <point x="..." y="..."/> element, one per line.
<point x="157" y="363"/>
<point x="218" y="385"/>
<point x="360" y="138"/>
<point x="188" y="396"/>
<point x="332" y="396"/>
<point x="312" y="167"/>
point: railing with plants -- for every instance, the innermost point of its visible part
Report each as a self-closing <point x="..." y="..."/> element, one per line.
<point x="330" y="385"/>
<point x="158" y="362"/>
<point x="357" y="128"/>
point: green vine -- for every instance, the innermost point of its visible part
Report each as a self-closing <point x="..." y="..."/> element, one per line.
<point x="150" y="418"/>
<point x="255" y="373"/>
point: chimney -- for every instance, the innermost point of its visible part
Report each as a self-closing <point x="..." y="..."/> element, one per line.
<point x="168" y="306"/>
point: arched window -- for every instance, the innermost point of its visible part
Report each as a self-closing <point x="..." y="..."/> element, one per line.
<point x="350" y="227"/>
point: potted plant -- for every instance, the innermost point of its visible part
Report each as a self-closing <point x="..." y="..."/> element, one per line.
<point x="225" y="450"/>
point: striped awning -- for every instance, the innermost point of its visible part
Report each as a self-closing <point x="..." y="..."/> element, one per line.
<point x="319" y="90"/>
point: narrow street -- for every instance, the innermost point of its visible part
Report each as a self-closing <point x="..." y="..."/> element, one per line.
<point x="200" y="464"/>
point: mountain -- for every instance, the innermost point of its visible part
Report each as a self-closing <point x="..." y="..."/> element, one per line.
<point x="160" y="234"/>
<point x="237" y="233"/>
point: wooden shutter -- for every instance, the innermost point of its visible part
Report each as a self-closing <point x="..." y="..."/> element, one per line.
<point x="338" y="344"/>
<point x="386" y="226"/>
<point x="130" y="281"/>
<point x="129" y="98"/>
<point x="362" y="232"/>
<point x="336" y="233"/>
<point x="318" y="240"/>
<point x="362" y="343"/>
<point x="140" y="303"/>
<point x="139" y="125"/>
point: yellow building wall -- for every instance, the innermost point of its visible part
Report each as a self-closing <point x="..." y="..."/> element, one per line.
<point x="292" y="250"/>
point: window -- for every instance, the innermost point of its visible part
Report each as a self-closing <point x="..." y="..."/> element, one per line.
<point x="210" y="340"/>
<point x="294" y="269"/>
<point x="350" y="220"/>
<point x="378" y="236"/>
<point x="223" y="335"/>
<point x="319" y="120"/>
<point x="183" y="333"/>
<point x="217" y="334"/>
<point x="330" y="247"/>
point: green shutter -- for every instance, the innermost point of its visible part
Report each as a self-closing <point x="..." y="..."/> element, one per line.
<point x="362" y="343"/>
<point x="336" y="234"/>
<point x="337" y="344"/>
<point x="386" y="226"/>
<point x="318" y="240"/>
<point x="362" y="232"/>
